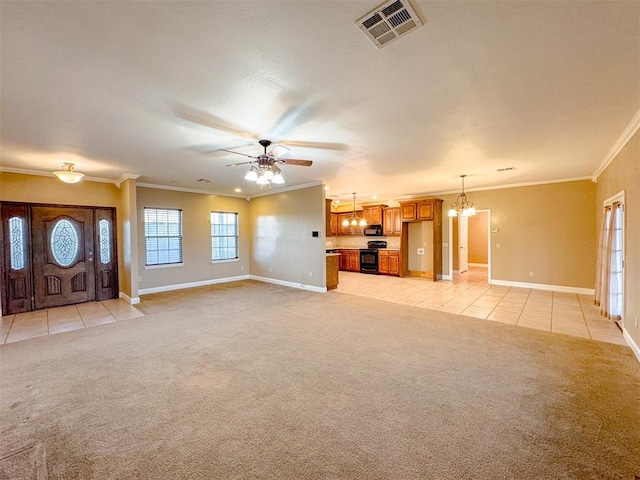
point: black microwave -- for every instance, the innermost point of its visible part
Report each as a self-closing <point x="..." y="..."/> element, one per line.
<point x="373" y="231"/>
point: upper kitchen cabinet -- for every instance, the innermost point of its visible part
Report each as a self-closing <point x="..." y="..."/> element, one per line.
<point x="392" y="224"/>
<point x="373" y="214"/>
<point x="419" y="210"/>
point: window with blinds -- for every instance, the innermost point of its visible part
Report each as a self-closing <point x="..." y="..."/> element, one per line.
<point x="163" y="236"/>
<point x="224" y="236"/>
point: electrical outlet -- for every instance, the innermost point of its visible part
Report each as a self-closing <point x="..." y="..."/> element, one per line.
<point x="421" y="251"/>
<point x="531" y="274"/>
<point x="310" y="274"/>
<point x="241" y="267"/>
<point x="269" y="270"/>
<point x="497" y="245"/>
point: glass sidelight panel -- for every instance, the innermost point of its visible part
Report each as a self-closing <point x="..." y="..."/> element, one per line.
<point x="105" y="241"/>
<point x="16" y="243"/>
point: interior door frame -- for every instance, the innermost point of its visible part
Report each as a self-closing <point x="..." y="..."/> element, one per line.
<point x="450" y="246"/>
<point x="4" y="301"/>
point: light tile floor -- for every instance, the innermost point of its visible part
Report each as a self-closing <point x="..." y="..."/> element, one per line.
<point x="470" y="294"/>
<point x="49" y="321"/>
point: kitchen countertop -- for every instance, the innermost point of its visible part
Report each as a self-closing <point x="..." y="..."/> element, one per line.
<point x="333" y="254"/>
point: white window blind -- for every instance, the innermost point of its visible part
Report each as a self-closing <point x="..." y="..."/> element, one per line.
<point x="224" y="236"/>
<point x="163" y="236"/>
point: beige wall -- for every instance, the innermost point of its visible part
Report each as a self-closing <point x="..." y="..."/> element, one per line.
<point x="547" y="229"/>
<point x="196" y="237"/>
<point x="282" y="247"/>
<point x="624" y="174"/>
<point x="478" y="238"/>
<point x="420" y="236"/>
<point x="127" y="233"/>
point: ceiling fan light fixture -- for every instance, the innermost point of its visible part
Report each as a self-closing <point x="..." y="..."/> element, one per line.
<point x="67" y="175"/>
<point x="251" y="175"/>
<point x="262" y="180"/>
<point x="278" y="178"/>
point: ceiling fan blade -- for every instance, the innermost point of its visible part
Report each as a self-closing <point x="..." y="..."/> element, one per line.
<point x="237" y="153"/>
<point x="207" y="119"/>
<point x="293" y="161"/>
<point x="279" y="151"/>
<point x="236" y="164"/>
<point x="322" y="145"/>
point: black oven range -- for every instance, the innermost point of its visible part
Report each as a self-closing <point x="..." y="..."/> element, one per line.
<point x="369" y="256"/>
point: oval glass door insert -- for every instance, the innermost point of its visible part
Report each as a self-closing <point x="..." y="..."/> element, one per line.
<point x="64" y="243"/>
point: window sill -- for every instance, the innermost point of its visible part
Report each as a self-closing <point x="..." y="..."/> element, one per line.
<point x="230" y="260"/>
<point x="164" y="265"/>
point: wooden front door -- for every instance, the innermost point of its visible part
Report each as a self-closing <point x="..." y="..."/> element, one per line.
<point x="63" y="268"/>
<point x="55" y="255"/>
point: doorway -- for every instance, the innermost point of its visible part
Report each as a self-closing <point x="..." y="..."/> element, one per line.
<point x="57" y="255"/>
<point x="474" y="250"/>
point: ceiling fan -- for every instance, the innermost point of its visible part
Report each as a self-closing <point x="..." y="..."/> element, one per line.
<point x="264" y="168"/>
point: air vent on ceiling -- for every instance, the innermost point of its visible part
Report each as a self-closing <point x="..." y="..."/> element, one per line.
<point x="505" y="169"/>
<point x="389" y="21"/>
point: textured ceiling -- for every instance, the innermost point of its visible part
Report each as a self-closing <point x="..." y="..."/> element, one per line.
<point x="155" y="88"/>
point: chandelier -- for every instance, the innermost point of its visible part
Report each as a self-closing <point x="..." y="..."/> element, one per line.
<point x="67" y="175"/>
<point x="354" y="219"/>
<point x="265" y="172"/>
<point x="462" y="206"/>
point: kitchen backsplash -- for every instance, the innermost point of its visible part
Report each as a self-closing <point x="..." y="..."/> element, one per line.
<point x="359" y="242"/>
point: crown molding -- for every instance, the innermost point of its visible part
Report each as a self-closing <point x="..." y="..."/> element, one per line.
<point x="124" y="177"/>
<point x="186" y="190"/>
<point x="285" y="189"/>
<point x="512" y="185"/>
<point x="624" y="138"/>
<point x="23" y="171"/>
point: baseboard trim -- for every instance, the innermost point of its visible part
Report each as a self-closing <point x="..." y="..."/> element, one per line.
<point x="128" y="299"/>
<point x="631" y="343"/>
<point x="446" y="277"/>
<point x="202" y="283"/>
<point x="485" y="265"/>
<point x="542" y="286"/>
<point x="284" y="283"/>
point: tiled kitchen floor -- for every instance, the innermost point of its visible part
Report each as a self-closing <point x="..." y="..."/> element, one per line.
<point x="470" y="294"/>
<point x="63" y="319"/>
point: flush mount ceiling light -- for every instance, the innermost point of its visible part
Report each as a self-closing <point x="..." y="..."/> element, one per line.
<point x="67" y="175"/>
<point x="354" y="219"/>
<point x="462" y="206"/>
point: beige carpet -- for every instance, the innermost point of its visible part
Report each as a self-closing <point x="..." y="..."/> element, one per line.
<point x="256" y="381"/>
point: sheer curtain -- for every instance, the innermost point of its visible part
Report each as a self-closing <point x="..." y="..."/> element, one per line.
<point x="608" y="292"/>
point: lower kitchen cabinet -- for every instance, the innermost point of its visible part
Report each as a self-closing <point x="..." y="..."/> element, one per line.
<point x="389" y="262"/>
<point x="349" y="260"/>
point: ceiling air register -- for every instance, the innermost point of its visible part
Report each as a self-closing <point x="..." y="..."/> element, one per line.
<point x="389" y="21"/>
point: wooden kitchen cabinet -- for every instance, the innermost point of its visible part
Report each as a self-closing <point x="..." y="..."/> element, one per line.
<point x="332" y="271"/>
<point x="373" y="214"/>
<point x="389" y="262"/>
<point x="334" y="225"/>
<point x="409" y="211"/>
<point x="328" y="229"/>
<point x="349" y="229"/>
<point x="394" y="263"/>
<point x="425" y="210"/>
<point x="417" y="211"/>
<point x="392" y="224"/>
<point x="349" y="260"/>
<point x="343" y="230"/>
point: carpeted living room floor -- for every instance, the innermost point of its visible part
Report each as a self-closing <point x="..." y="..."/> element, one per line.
<point x="270" y="382"/>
